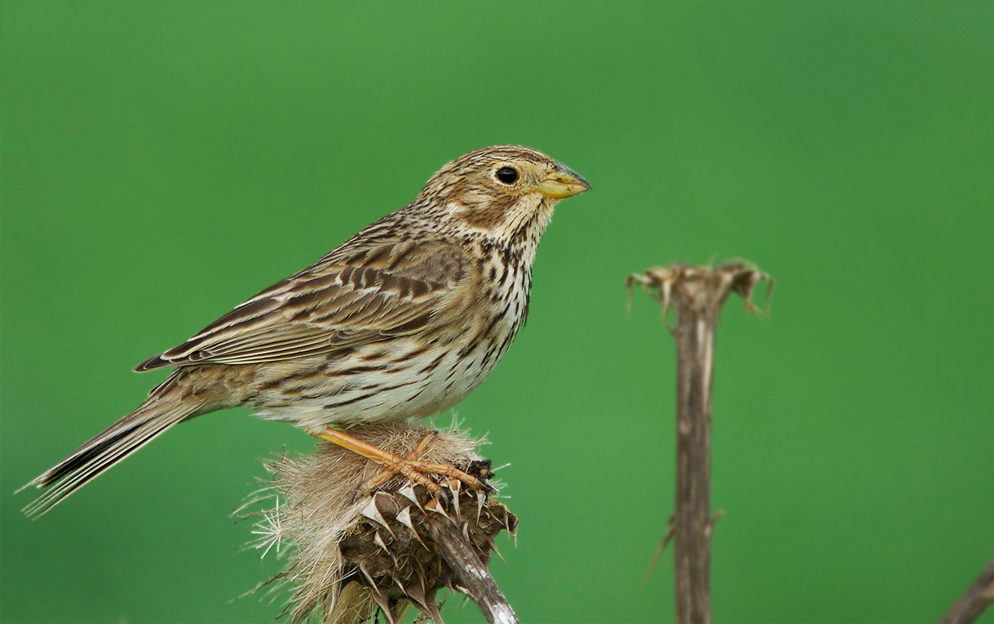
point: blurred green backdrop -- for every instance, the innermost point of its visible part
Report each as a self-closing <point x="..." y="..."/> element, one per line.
<point x="163" y="161"/>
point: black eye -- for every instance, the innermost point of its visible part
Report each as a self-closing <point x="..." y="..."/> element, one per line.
<point x="507" y="175"/>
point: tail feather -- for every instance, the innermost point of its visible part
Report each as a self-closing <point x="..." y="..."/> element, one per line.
<point x="168" y="405"/>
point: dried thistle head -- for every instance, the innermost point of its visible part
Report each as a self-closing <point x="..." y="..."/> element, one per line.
<point x="356" y="551"/>
<point x="701" y="287"/>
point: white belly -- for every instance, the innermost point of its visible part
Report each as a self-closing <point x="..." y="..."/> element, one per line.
<point x="398" y="391"/>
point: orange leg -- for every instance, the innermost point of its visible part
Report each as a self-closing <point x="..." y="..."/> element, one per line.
<point x="411" y="467"/>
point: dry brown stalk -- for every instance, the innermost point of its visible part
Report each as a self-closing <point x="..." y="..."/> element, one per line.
<point x="975" y="601"/>
<point x="696" y="295"/>
<point x="356" y="551"/>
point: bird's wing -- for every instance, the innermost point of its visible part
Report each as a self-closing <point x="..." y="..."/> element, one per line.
<point x="358" y="294"/>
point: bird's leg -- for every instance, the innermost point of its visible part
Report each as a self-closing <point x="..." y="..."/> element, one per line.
<point x="389" y="471"/>
<point x="411" y="467"/>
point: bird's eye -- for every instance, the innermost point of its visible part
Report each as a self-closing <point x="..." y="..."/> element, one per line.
<point x="507" y="175"/>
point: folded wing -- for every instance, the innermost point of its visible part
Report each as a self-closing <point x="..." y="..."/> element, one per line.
<point x="355" y="295"/>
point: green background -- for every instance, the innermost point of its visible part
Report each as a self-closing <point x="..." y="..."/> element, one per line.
<point x="163" y="161"/>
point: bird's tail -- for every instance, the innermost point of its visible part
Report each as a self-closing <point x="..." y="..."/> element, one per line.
<point x="168" y="404"/>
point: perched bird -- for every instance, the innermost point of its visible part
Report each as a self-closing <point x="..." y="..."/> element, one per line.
<point x="404" y="320"/>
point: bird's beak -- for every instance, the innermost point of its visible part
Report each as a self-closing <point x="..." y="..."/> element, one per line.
<point x="563" y="182"/>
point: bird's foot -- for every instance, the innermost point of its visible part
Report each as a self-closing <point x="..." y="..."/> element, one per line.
<point x="412" y="467"/>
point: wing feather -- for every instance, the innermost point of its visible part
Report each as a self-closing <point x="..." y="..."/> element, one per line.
<point x="357" y="294"/>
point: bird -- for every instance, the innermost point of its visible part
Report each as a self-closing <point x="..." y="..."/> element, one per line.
<point x="402" y="321"/>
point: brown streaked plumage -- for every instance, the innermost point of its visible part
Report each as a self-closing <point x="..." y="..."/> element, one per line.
<point x="403" y="320"/>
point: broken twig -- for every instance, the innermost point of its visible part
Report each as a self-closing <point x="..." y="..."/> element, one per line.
<point x="975" y="601"/>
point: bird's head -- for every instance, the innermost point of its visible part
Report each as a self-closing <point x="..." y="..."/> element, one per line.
<point x="505" y="193"/>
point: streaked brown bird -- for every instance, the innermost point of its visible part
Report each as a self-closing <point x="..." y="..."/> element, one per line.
<point x="404" y="320"/>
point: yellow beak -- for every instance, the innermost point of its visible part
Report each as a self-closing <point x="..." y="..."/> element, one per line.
<point x="563" y="182"/>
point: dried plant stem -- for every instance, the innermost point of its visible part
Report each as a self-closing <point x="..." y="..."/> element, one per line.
<point x="694" y="335"/>
<point x="474" y="578"/>
<point x="696" y="296"/>
<point x="975" y="601"/>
